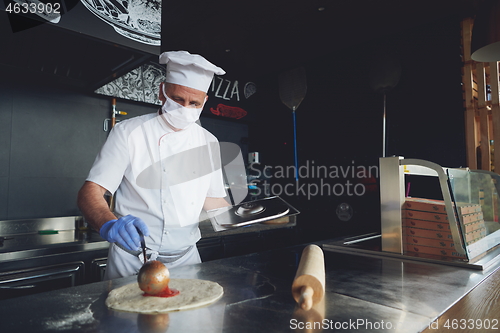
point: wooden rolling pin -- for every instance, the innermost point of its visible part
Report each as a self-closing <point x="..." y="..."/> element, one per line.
<point x="308" y="287"/>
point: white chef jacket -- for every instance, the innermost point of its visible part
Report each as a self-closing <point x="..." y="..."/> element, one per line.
<point x="160" y="176"/>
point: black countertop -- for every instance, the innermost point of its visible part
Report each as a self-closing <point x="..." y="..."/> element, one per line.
<point x="362" y="294"/>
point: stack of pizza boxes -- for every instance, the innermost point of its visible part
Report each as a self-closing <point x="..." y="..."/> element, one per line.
<point x="426" y="228"/>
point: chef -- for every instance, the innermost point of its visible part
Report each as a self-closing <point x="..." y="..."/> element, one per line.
<point x="163" y="168"/>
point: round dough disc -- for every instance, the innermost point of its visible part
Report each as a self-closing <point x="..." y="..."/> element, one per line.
<point x="194" y="293"/>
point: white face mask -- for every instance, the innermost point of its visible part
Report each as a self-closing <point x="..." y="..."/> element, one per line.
<point x="177" y="115"/>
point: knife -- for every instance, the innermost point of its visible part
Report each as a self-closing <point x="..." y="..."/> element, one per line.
<point x="143" y="244"/>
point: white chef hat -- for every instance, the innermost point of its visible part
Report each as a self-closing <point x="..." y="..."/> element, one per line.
<point x="189" y="70"/>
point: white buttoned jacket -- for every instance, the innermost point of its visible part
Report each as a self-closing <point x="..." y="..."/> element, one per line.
<point x="160" y="176"/>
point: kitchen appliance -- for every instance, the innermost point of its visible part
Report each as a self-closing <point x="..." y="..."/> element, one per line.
<point x="40" y="279"/>
<point x="250" y="212"/>
<point x="38" y="255"/>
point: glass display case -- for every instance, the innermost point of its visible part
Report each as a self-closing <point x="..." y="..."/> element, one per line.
<point x="479" y="188"/>
<point x="463" y="225"/>
<point x="453" y="219"/>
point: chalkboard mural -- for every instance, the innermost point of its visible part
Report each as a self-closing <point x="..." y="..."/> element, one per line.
<point x="140" y="84"/>
<point x="139" y="20"/>
<point x="230" y="92"/>
<point x="228" y="111"/>
<point x="132" y="23"/>
<point x="135" y="24"/>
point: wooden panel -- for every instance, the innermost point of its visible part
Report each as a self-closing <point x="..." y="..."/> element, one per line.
<point x="466" y="38"/>
<point x="495" y="111"/>
<point x="468" y="86"/>
<point x="483" y="116"/>
<point x="479" y="305"/>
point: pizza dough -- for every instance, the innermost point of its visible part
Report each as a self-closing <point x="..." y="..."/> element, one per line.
<point x="194" y="293"/>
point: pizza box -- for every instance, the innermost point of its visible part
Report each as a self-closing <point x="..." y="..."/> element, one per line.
<point x="470" y="209"/>
<point x="442" y="234"/>
<point x="426" y="216"/>
<point x="436" y="234"/>
<point x="438" y="206"/>
<point x="441" y="226"/>
<point x="432" y="242"/>
<point x="426" y="205"/>
<point x="450" y="253"/>
<point x="469" y="218"/>
<point x="474" y="226"/>
<point x="476" y="235"/>
<point x="429" y="225"/>
<point x="434" y="217"/>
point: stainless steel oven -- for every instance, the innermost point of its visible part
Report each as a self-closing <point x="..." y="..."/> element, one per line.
<point x="40" y="255"/>
<point x="98" y="268"/>
<point x="39" y="279"/>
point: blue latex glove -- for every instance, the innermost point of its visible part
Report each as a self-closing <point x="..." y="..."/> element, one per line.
<point x="124" y="232"/>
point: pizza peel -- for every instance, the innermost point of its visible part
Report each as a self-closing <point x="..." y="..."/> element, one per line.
<point x="293" y="88"/>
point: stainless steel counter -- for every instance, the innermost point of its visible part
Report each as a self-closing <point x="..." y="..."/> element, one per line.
<point x="362" y="294"/>
<point x="39" y="255"/>
<point x="22" y="239"/>
<point x="29" y="246"/>
<point x="22" y="246"/>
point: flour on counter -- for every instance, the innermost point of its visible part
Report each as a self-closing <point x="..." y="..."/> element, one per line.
<point x="74" y="320"/>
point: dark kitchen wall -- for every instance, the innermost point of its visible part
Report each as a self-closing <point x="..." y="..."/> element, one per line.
<point x="49" y="137"/>
<point x="339" y="125"/>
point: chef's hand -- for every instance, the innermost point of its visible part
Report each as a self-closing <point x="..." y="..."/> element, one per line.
<point x="124" y="231"/>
